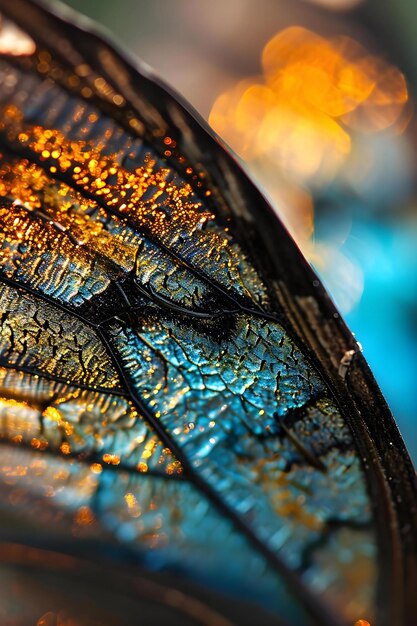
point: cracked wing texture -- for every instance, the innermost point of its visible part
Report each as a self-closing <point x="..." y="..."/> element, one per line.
<point x="149" y="395"/>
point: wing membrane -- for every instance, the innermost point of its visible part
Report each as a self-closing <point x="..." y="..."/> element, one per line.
<point x="190" y="301"/>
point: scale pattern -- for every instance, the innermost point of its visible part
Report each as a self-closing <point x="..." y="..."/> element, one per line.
<point x="148" y="389"/>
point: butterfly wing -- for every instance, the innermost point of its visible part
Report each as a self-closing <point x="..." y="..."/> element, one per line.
<point x="174" y="377"/>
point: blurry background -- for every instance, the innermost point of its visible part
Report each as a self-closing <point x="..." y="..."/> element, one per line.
<point x="317" y="98"/>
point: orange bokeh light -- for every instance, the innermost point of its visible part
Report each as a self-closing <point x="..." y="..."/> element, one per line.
<point x="314" y="92"/>
<point x="299" y="126"/>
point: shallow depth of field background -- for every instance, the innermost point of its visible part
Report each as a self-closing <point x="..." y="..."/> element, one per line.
<point x="318" y="98"/>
